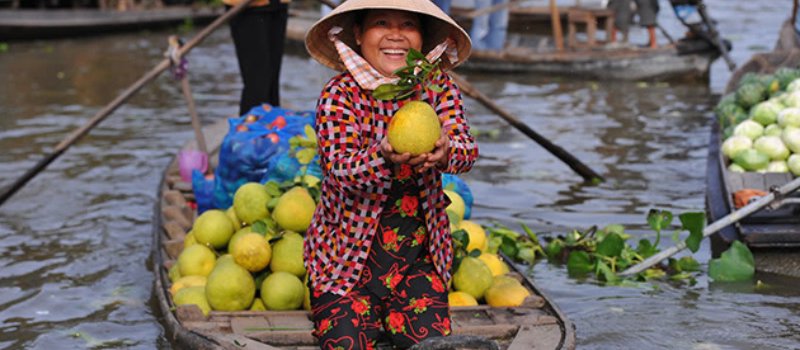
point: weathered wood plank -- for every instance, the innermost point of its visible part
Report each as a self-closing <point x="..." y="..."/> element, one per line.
<point x="176" y="214"/>
<point x="546" y="337"/>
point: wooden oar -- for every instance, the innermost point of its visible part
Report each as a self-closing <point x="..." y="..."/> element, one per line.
<point x="731" y="218"/>
<point x="584" y="171"/>
<point x="118" y="101"/>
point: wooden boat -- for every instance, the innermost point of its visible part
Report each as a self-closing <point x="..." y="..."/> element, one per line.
<point x="531" y="50"/>
<point x="772" y="234"/>
<point x="537" y="324"/>
<point x="25" y="24"/>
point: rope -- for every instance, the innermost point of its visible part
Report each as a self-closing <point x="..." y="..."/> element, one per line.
<point x="180" y="69"/>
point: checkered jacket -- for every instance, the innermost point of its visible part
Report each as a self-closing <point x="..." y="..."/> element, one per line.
<point x="356" y="180"/>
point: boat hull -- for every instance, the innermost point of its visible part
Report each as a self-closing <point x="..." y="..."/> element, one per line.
<point x="773" y="235"/>
<point x="538" y="322"/>
<point x="642" y="64"/>
<point x="50" y="24"/>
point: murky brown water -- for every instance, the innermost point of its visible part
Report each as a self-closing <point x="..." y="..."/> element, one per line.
<point x="74" y="243"/>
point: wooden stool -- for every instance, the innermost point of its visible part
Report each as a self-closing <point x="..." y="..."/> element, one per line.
<point x="589" y="17"/>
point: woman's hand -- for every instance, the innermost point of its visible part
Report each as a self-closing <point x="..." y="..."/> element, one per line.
<point x="439" y="155"/>
<point x="399" y="158"/>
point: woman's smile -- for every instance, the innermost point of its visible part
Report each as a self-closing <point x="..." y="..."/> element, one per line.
<point x="385" y="37"/>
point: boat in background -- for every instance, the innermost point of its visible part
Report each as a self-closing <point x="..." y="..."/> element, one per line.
<point x="537" y="324"/>
<point x="532" y="48"/>
<point x="30" y="24"/>
<point x="772" y="234"/>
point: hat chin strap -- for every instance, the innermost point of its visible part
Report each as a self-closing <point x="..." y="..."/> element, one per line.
<point x="367" y="77"/>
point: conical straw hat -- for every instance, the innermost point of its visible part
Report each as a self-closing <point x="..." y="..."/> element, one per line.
<point x="437" y="26"/>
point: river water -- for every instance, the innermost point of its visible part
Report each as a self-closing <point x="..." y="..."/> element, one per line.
<point x="74" y="243"/>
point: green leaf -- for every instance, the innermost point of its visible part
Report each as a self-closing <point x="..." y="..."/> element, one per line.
<point x="387" y="91"/>
<point x="273" y="188"/>
<point x="494" y="244"/>
<point x="305" y="156"/>
<point x="659" y="219"/>
<point x="509" y="246"/>
<point x="310" y="133"/>
<point x="553" y="249"/>
<point x="646" y="248"/>
<point x="572" y="238"/>
<point x="455" y="219"/>
<point x="653" y="273"/>
<point x="413" y="56"/>
<point x="735" y="264"/>
<point x="460" y="238"/>
<point x="259" y="227"/>
<point x="614" y="228"/>
<point x="532" y="235"/>
<point x="684" y="264"/>
<point x="694" y="222"/>
<point x="611" y="246"/>
<point x="475" y="253"/>
<point x="605" y="273"/>
<point x="272" y="203"/>
<point x="579" y="263"/>
<point x="527" y="255"/>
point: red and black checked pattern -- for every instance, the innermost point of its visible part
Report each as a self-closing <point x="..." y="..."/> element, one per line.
<point x="356" y="180"/>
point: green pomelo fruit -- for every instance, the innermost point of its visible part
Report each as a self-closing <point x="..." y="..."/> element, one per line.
<point x="294" y="210"/>
<point x="287" y="255"/>
<point x="282" y="291"/>
<point x="250" y="202"/>
<point x="196" y="260"/>
<point x="230" y="288"/>
<point x="213" y="228"/>
<point x="195" y="296"/>
<point x="414" y="128"/>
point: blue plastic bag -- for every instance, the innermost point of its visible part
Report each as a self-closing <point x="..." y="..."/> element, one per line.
<point x="450" y="181"/>
<point x="256" y="145"/>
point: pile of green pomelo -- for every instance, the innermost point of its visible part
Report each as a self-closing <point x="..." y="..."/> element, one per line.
<point x="760" y="123"/>
<point x="250" y="256"/>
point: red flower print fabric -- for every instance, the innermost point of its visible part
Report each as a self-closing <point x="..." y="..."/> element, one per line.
<point x="399" y="293"/>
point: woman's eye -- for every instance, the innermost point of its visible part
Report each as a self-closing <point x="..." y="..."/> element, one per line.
<point x="410" y="24"/>
<point x="380" y="22"/>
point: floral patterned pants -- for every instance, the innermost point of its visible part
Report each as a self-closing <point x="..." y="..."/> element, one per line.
<point x="399" y="295"/>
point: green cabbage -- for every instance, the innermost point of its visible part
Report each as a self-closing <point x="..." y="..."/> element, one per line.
<point x="789" y="117"/>
<point x="752" y="160"/>
<point x="766" y="113"/>
<point x="791" y="99"/>
<point x="749" y="128"/>
<point x="736" y="168"/>
<point x="793" y="86"/>
<point x="750" y="94"/>
<point x="794" y="164"/>
<point x="777" y="166"/>
<point x="773" y="130"/>
<point x="791" y="138"/>
<point x="772" y="146"/>
<point x="735" y="144"/>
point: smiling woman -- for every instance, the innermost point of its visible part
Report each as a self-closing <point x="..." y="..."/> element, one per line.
<point x="385" y="36"/>
<point x="369" y="191"/>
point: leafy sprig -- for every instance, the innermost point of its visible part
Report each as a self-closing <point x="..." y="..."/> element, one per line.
<point x="415" y="77"/>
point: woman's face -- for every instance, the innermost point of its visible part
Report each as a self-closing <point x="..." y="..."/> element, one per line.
<point x="386" y="36"/>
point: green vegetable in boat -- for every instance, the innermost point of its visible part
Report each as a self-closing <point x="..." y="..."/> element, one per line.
<point x="749" y="128"/>
<point x="752" y="160"/>
<point x="736" y="144"/>
<point x="772" y="146"/>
